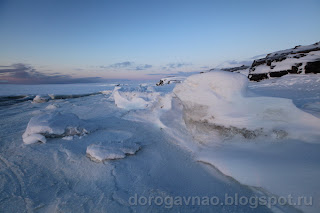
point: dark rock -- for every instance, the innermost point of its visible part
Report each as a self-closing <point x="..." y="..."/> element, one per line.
<point x="280" y="58"/>
<point x="312" y="67"/>
<point x="299" y="55"/>
<point x="278" y="74"/>
<point x="258" y="77"/>
<point x="258" y="62"/>
<point x="295" y="68"/>
<point x="160" y="83"/>
<point x="234" y="69"/>
<point x="269" y="63"/>
<point x="310" y="50"/>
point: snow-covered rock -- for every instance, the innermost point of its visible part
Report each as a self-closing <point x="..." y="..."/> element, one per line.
<point x="216" y="104"/>
<point x="111" y="151"/>
<point x="170" y="80"/>
<point x="298" y="60"/>
<point x="51" y="125"/>
<point x="233" y="69"/>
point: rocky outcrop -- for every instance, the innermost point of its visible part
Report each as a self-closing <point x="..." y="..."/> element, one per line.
<point x="170" y="80"/>
<point x="231" y="69"/>
<point x="235" y="69"/>
<point x="298" y="60"/>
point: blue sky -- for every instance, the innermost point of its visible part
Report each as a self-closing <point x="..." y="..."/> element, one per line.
<point x="133" y="38"/>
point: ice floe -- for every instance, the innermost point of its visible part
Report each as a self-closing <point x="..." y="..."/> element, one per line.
<point x="51" y="125"/>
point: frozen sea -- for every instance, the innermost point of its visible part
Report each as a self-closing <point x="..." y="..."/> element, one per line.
<point x="100" y="147"/>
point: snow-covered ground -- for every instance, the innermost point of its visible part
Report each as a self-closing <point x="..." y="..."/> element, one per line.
<point x="75" y="148"/>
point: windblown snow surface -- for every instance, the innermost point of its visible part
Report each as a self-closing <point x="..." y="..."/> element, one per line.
<point x="92" y="147"/>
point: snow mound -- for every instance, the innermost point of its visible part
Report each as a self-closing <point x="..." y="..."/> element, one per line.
<point x="111" y="151"/>
<point x="215" y="104"/>
<point x="52" y="125"/>
<point x="40" y="99"/>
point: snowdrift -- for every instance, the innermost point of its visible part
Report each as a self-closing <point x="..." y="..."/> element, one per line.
<point x="217" y="105"/>
<point x="51" y="125"/>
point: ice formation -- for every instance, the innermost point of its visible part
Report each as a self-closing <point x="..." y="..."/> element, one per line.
<point x="40" y="99"/>
<point x="132" y="100"/>
<point x="50" y="125"/>
<point x="217" y="104"/>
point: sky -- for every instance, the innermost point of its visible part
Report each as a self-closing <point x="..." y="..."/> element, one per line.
<point x="69" y="41"/>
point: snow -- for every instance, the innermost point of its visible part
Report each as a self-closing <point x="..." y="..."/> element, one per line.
<point x="50" y="125"/>
<point x="313" y="107"/>
<point x="60" y="176"/>
<point x="253" y="161"/>
<point x="68" y="138"/>
<point x="111" y="151"/>
<point x="52" y="107"/>
<point x="217" y="103"/>
<point x="244" y="72"/>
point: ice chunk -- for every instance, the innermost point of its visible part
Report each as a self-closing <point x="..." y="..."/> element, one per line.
<point x="131" y="100"/>
<point x="34" y="138"/>
<point x="39" y="99"/>
<point x="111" y="151"/>
<point x="51" y="125"/>
<point x="215" y="104"/>
<point x="132" y="103"/>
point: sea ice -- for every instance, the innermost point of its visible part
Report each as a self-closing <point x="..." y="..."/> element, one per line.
<point x="111" y="151"/>
<point x="50" y="125"/>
